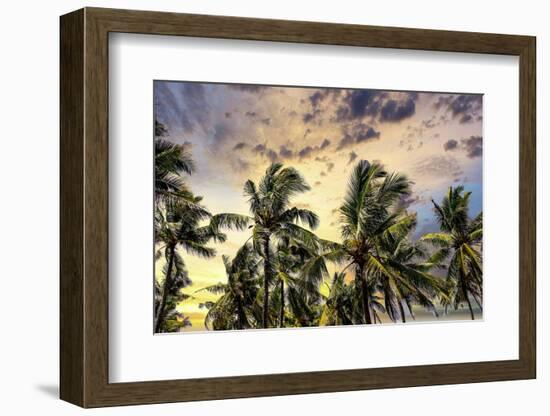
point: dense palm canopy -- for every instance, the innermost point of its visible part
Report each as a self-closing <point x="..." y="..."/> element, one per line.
<point x="273" y="217"/>
<point x="280" y="276"/>
<point x="461" y="239"/>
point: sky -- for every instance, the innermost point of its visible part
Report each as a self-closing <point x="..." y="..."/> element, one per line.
<point x="234" y="131"/>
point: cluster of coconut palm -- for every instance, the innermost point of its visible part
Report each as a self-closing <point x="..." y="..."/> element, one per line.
<point x="280" y="277"/>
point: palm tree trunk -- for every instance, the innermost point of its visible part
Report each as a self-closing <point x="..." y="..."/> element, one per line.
<point x="465" y="293"/>
<point x="282" y="311"/>
<point x="267" y="272"/>
<point x="401" y="311"/>
<point x="159" y="316"/>
<point x="364" y="294"/>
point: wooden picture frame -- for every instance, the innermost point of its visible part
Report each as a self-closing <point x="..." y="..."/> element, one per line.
<point x="84" y="207"/>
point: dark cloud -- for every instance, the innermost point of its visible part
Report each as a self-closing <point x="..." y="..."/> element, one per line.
<point x="305" y="152"/>
<point x="323" y="173"/>
<point x="330" y="166"/>
<point x="395" y="111"/>
<point x="320" y="95"/>
<point x="358" y="104"/>
<point x="259" y="148"/>
<point x="309" y="117"/>
<point x="271" y="155"/>
<point x="240" y="146"/>
<point x="324" y="144"/>
<point x="227" y="115"/>
<point x="464" y="107"/>
<point x="347" y="140"/>
<point x="358" y="133"/>
<point x="317" y="183"/>
<point x="473" y="146"/>
<point x="285" y="152"/>
<point x="352" y="157"/>
<point x="450" y="144"/>
<point x="251" y="114"/>
<point x="266" y="121"/>
<point x="363" y="132"/>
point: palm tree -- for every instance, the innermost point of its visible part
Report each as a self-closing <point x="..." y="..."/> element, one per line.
<point x="171" y="160"/>
<point x="291" y="289"/>
<point x="273" y="217"/>
<point x="460" y="237"/>
<point x="181" y="227"/>
<point x="406" y="278"/>
<point x="234" y="309"/>
<point x="365" y="216"/>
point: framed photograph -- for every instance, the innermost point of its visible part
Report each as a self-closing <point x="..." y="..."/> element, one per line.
<point x="263" y="207"/>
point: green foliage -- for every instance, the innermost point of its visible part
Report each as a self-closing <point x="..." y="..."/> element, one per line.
<point x="279" y="276"/>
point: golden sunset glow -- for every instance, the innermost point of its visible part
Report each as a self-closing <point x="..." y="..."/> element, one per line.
<point x="234" y="132"/>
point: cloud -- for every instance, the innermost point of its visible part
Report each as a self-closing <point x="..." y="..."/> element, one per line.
<point x="309" y="117"/>
<point x="465" y="107"/>
<point x="305" y="152"/>
<point x="359" y="133"/>
<point x="251" y="114"/>
<point x="473" y="146"/>
<point x="388" y="107"/>
<point x="450" y="144"/>
<point x="240" y="146"/>
<point x="352" y="157"/>
<point x="259" y="148"/>
<point x="358" y="104"/>
<point x="438" y="166"/>
<point x="271" y="155"/>
<point x="363" y="132"/>
<point x="324" y="144"/>
<point x="285" y="152"/>
<point x="330" y="166"/>
<point x="395" y="111"/>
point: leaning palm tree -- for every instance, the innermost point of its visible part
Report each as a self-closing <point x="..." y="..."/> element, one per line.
<point x="234" y="308"/>
<point x="461" y="238"/>
<point x="273" y="217"/>
<point x="366" y="214"/>
<point x="181" y="226"/>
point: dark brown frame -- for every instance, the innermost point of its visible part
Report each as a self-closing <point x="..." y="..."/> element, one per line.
<point x="84" y="209"/>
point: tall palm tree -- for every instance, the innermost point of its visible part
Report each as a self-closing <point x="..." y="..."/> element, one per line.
<point x="234" y="309"/>
<point x="180" y="226"/>
<point x="273" y="217"/>
<point x="365" y="215"/>
<point x="461" y="238"/>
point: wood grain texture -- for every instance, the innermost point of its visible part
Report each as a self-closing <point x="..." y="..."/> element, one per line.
<point x="71" y="99"/>
<point x="84" y="207"/>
